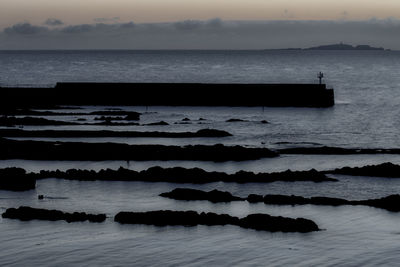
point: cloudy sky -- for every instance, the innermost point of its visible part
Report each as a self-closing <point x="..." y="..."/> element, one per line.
<point x="190" y="24"/>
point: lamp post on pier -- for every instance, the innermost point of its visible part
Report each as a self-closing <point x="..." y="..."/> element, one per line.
<point x="320" y="76"/>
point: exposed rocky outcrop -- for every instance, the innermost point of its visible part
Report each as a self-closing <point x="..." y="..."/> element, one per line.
<point x="84" y="133"/>
<point x="182" y="175"/>
<point x="390" y="203"/>
<point x="16" y="179"/>
<point x="262" y="222"/>
<point x="326" y="150"/>
<point x="40" y="150"/>
<point x="27" y="213"/>
<point x="159" y="123"/>
<point x="214" y="196"/>
<point x="387" y="169"/>
<point x="12" y="121"/>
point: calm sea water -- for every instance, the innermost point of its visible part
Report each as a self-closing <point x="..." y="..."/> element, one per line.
<point x="366" y="114"/>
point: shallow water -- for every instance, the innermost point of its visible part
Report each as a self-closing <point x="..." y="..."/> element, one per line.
<point x="366" y="115"/>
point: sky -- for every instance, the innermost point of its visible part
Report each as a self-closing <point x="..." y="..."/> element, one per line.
<point x="189" y="24"/>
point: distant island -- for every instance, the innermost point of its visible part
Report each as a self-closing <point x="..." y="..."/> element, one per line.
<point x="340" y="46"/>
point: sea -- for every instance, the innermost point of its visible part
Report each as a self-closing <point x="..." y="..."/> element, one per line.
<point x="366" y="115"/>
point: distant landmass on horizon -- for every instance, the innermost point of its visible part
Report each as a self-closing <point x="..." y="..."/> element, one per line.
<point x="340" y="46"/>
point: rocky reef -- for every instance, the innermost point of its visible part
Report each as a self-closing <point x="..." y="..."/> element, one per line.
<point x="214" y="196"/>
<point x="262" y="222"/>
<point x="182" y="175"/>
<point x="327" y="150"/>
<point x="389" y="203"/>
<point x="16" y="179"/>
<point x="79" y="151"/>
<point x="387" y="169"/>
<point x="104" y="133"/>
<point x="27" y="213"/>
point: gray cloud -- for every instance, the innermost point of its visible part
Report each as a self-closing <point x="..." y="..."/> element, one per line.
<point x="53" y="22"/>
<point x="209" y="34"/>
<point x="83" y="28"/>
<point x="24" y="28"/>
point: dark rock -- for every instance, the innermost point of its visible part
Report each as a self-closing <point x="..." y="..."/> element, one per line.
<point x="214" y="196"/>
<point x="129" y="115"/>
<point x="15" y="179"/>
<point x="235" y="120"/>
<point x="387" y="169"/>
<point x="253" y="198"/>
<point x="79" y="151"/>
<point x="264" y="121"/>
<point x="81" y="119"/>
<point x="27" y="213"/>
<point x="186" y="119"/>
<point x="212" y="133"/>
<point x="157" y="123"/>
<point x="191" y="218"/>
<point x="12" y="121"/>
<point x="40" y="197"/>
<point x="179" y="175"/>
<point x="132" y="117"/>
<point x="84" y="133"/>
<point x="270" y="223"/>
<point x="389" y="203"/>
<point x="325" y="150"/>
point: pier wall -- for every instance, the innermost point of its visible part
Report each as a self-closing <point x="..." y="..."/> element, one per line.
<point x="172" y="94"/>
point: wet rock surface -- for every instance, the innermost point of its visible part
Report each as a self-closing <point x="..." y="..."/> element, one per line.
<point x="27" y="213"/>
<point x="326" y="150"/>
<point x="214" y="196"/>
<point x="40" y="150"/>
<point x="16" y="179"/>
<point x="387" y="169"/>
<point x="105" y="133"/>
<point x="262" y="222"/>
<point x="181" y="175"/>
<point x="389" y="203"/>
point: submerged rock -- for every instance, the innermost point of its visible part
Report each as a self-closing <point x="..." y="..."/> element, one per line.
<point x="262" y="222"/>
<point x="27" y="213"/>
<point x="16" y="179"/>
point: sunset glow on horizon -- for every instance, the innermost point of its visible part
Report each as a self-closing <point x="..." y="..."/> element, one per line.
<point x="78" y="12"/>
